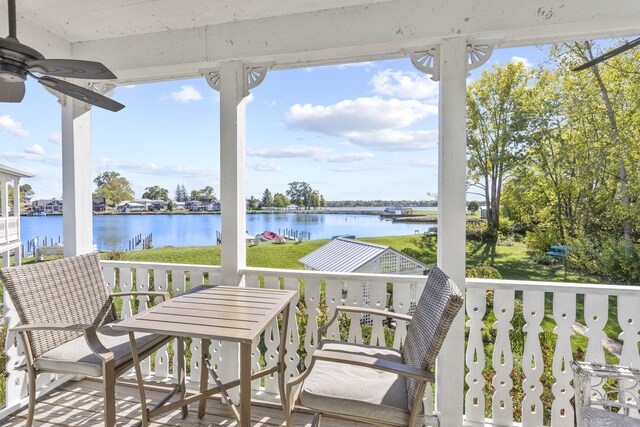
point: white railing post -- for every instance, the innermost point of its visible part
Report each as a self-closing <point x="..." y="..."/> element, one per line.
<point x="451" y="220"/>
<point x="77" y="182"/>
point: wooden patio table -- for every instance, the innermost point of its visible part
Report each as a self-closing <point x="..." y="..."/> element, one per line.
<point x="222" y="313"/>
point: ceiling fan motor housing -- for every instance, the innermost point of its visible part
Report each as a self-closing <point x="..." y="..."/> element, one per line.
<point x="14" y="56"/>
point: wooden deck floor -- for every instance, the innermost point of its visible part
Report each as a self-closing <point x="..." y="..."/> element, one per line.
<point x="80" y="404"/>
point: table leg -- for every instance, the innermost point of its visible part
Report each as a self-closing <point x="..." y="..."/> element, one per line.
<point x="282" y="366"/>
<point x="136" y="366"/>
<point x="245" y="384"/>
<point x="204" y="375"/>
<point x="182" y="374"/>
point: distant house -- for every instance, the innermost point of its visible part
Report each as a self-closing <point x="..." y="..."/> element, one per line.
<point x="203" y="205"/>
<point x="46" y="206"/>
<point x="158" y="205"/>
<point x="99" y="204"/>
<point x="354" y="256"/>
<point x="197" y="206"/>
<point x="292" y="207"/>
<point x="178" y="205"/>
<point x="398" y="210"/>
<point x="127" y="207"/>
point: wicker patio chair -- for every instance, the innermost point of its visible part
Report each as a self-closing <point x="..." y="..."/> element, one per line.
<point x="379" y="385"/>
<point x="65" y="312"/>
<point x="606" y="395"/>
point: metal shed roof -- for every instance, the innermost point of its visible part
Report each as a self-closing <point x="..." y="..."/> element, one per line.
<point x="342" y="255"/>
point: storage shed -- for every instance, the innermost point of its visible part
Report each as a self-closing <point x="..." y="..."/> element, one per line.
<point x="354" y="256"/>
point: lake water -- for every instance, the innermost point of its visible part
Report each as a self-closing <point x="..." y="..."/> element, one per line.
<point x="112" y="232"/>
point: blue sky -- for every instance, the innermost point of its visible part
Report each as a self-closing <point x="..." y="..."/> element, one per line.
<point x="359" y="131"/>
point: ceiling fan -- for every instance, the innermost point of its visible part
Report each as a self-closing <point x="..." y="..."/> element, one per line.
<point x="613" y="52"/>
<point x="18" y="60"/>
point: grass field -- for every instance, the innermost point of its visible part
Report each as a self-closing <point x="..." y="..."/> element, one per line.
<point x="510" y="260"/>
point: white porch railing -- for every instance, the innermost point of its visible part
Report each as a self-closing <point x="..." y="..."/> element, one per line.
<point x="3" y="231"/>
<point x="527" y="309"/>
<point x="516" y="305"/>
<point x="8" y="230"/>
<point x="12" y="229"/>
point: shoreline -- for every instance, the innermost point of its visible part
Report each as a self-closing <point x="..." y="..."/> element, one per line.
<point x="269" y="212"/>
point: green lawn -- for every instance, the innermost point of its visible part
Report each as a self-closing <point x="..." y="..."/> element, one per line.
<point x="510" y="260"/>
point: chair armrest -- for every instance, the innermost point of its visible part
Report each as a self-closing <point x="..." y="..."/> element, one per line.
<point x="165" y="295"/>
<point x="88" y="330"/>
<point x="373" y="311"/>
<point x="362" y="310"/>
<point x="67" y="327"/>
<point x="373" y="363"/>
<point x="605" y="371"/>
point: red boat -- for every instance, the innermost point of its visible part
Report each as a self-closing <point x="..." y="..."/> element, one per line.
<point x="272" y="237"/>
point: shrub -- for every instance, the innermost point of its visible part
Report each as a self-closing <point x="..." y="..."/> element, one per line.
<point x="483" y="271"/>
<point x="477" y="231"/>
<point x="539" y="240"/>
<point x="607" y="257"/>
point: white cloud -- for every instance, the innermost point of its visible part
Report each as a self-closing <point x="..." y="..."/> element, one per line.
<point x="8" y="125"/>
<point x="358" y="168"/>
<point x="39" y="158"/>
<point x="267" y="167"/>
<point x="187" y="93"/>
<point x="405" y="84"/>
<point x="396" y="140"/>
<point x="321" y="154"/>
<point x="347" y="157"/>
<point x="361" y="114"/>
<point x="34" y="149"/>
<point x="370" y="122"/>
<point x="55" y="137"/>
<point x="289" y="152"/>
<point x="151" y="168"/>
<point x="524" y="61"/>
<point x="250" y="98"/>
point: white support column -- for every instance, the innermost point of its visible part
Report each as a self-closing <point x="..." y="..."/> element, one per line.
<point x="77" y="181"/>
<point x="16" y="213"/>
<point x="233" y="114"/>
<point x="451" y="220"/>
<point x="4" y="202"/>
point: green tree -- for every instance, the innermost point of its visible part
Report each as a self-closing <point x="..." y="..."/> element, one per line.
<point x="314" y="199"/>
<point x="267" y="199"/>
<point x="156" y="193"/>
<point x="196" y="195"/>
<point x="170" y="206"/>
<point x="208" y="193"/>
<point x="253" y="203"/>
<point x="113" y="187"/>
<point x="301" y="194"/>
<point x="180" y="194"/>
<point x="497" y="119"/>
<point x="280" y="200"/>
<point x="473" y="206"/>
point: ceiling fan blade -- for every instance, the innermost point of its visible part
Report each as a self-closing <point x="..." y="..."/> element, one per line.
<point x="11" y="91"/>
<point x="71" y="68"/>
<point x="613" y="52"/>
<point x="81" y="93"/>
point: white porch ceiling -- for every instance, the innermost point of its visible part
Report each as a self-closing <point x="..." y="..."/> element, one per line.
<point x="146" y="40"/>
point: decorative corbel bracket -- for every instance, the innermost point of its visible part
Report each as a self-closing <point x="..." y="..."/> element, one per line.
<point x="254" y="74"/>
<point x="428" y="60"/>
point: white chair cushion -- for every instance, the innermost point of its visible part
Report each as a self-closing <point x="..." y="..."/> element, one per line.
<point x="337" y="388"/>
<point x="76" y="357"/>
<point x="594" y="417"/>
